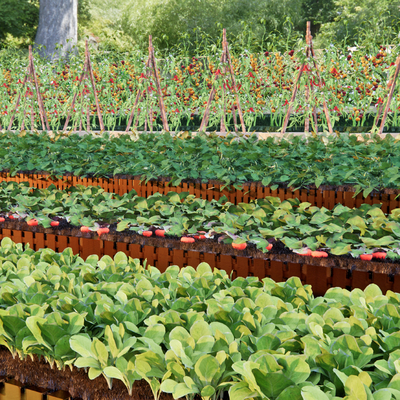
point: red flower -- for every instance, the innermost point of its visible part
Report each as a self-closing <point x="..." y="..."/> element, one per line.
<point x="111" y="80"/>
<point x="218" y="72"/>
<point x="250" y="75"/>
<point x="286" y="103"/>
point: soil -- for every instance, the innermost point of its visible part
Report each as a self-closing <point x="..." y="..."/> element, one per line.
<point x="38" y="373"/>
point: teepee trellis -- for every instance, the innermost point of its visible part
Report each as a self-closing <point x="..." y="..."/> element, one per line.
<point x="225" y="60"/>
<point x="86" y="73"/>
<point x="151" y="69"/>
<point x="310" y="54"/>
<point x="31" y="77"/>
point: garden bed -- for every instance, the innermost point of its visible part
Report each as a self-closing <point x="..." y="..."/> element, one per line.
<point x="38" y="379"/>
<point x="279" y="264"/>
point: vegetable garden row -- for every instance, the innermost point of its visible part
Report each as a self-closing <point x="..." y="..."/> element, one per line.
<point x="365" y="164"/>
<point x="191" y="332"/>
<point x="354" y="85"/>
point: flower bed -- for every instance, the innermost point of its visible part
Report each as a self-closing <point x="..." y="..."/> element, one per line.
<point x="350" y="83"/>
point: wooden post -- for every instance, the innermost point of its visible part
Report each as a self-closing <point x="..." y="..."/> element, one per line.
<point x="385" y="113"/>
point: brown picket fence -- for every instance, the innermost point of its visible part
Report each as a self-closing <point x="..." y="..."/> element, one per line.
<point x="318" y="197"/>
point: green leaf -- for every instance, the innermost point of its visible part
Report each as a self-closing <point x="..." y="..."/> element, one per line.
<point x="206" y="368"/>
<point x="355" y="388"/>
<point x="272" y="383"/>
<point x="82" y="345"/>
<point x="313" y="393"/>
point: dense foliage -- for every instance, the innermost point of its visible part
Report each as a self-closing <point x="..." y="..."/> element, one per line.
<point x="189" y="332"/>
<point x="301" y="227"/>
<point x="367" y="163"/>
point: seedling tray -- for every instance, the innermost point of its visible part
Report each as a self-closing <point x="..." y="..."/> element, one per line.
<point x="279" y="264"/>
<point x="324" y="196"/>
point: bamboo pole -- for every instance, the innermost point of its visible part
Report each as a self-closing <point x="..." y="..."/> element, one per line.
<point x="89" y="67"/>
<point x="385" y="113"/>
<point x="42" y="111"/>
<point x="294" y="93"/>
<point x="158" y="85"/>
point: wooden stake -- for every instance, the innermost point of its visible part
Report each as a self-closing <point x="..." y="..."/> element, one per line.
<point x="294" y="92"/>
<point x="385" y="113"/>
<point x="159" y="92"/>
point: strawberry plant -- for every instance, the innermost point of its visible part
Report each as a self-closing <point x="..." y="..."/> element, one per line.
<point x="301" y="227"/>
<point x="366" y="164"/>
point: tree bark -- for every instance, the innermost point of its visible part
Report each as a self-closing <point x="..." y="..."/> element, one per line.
<point x="58" y="28"/>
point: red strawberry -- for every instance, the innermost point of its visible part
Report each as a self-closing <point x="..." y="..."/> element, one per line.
<point x="2" y="219"/>
<point x="102" y="231"/>
<point x="85" y="229"/>
<point x="11" y="217"/>
<point x="366" y="257"/>
<point x="319" y="254"/>
<point x="160" y="232"/>
<point x="54" y="223"/>
<point x="199" y="237"/>
<point x="306" y="253"/>
<point x="32" y="222"/>
<point x="379" y="254"/>
<point x="269" y="247"/>
<point x="147" y="233"/>
<point x="187" y="240"/>
<point x="239" y="246"/>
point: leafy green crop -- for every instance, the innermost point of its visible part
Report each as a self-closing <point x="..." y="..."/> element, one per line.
<point x="372" y="163"/>
<point x="254" y="339"/>
<point x="299" y="226"/>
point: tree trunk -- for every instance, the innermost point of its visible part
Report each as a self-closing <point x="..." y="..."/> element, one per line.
<point x="58" y="28"/>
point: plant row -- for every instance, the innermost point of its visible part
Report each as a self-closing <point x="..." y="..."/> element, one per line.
<point x="365" y="231"/>
<point x="350" y="82"/>
<point x="366" y="163"/>
<point x="196" y="332"/>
